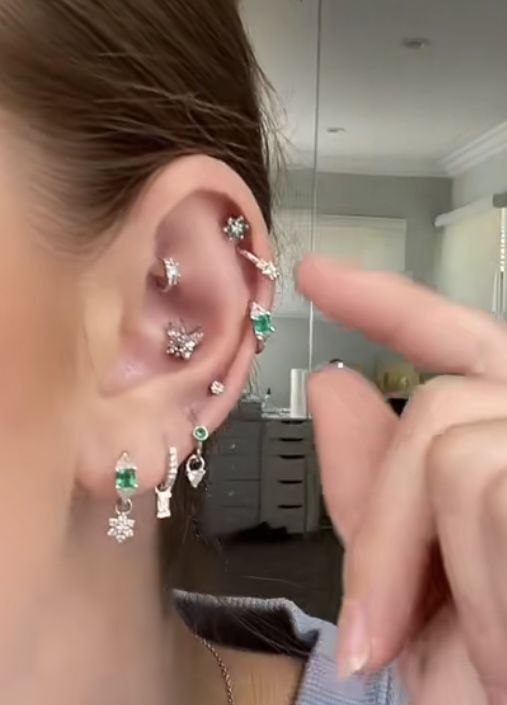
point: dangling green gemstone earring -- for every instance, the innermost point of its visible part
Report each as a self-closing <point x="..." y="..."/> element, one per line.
<point x="262" y="321"/>
<point x="121" y="527"/>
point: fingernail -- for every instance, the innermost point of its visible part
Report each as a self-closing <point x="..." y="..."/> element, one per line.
<point x="353" y="640"/>
<point x="339" y="364"/>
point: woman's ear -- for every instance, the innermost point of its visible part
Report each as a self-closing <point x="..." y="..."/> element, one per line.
<point x="156" y="345"/>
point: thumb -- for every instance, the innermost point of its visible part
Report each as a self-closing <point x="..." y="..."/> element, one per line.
<point x="353" y="429"/>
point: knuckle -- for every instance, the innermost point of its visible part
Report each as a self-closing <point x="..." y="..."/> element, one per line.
<point x="495" y="503"/>
<point x="438" y="393"/>
<point x="446" y="461"/>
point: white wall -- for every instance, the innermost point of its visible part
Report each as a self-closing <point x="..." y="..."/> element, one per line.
<point x="417" y="200"/>
<point x="485" y="179"/>
<point x="467" y="259"/>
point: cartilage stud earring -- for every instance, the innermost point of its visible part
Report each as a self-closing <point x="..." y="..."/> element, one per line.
<point x="237" y="228"/>
<point x="183" y="344"/>
<point x="262" y="321"/>
<point x="121" y="527"/>
<point x="217" y="388"/>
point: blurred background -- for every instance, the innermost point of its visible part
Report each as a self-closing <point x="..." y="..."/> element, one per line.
<point x="392" y="117"/>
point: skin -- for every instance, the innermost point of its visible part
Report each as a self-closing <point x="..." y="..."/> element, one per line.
<point x="424" y="514"/>
<point x="84" y="378"/>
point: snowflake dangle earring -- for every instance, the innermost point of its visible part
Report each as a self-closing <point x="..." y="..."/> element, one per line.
<point x="196" y="464"/>
<point x="121" y="527"/>
<point x="164" y="491"/>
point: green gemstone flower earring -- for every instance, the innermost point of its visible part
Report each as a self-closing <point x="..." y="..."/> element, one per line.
<point x="196" y="464"/>
<point x="121" y="527"/>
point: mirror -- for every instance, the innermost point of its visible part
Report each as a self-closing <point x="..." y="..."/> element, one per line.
<point x="412" y="156"/>
<point x="393" y="121"/>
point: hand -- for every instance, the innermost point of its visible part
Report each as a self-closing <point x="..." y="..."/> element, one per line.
<point x="421" y="501"/>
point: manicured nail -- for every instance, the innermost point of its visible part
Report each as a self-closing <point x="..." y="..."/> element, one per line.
<point x="353" y="640"/>
<point x="339" y="364"/>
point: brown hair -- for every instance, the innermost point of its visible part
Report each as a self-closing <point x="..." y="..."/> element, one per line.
<point x="114" y="89"/>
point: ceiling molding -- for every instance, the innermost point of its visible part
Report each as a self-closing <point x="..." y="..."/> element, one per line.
<point x="421" y="168"/>
<point x="487" y="145"/>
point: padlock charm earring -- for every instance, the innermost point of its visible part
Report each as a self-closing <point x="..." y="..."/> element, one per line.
<point x="121" y="527"/>
<point x="196" y="464"/>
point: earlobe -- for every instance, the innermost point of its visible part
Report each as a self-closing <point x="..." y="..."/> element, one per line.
<point x="192" y="269"/>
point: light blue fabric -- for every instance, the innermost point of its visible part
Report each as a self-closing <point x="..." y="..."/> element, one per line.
<point x="278" y="625"/>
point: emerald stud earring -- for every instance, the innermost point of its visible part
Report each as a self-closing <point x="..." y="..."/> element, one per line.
<point x="237" y="229"/>
<point x="196" y="464"/>
<point x="262" y="322"/>
<point x="121" y="527"/>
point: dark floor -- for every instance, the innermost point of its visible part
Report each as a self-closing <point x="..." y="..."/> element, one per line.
<point x="304" y="570"/>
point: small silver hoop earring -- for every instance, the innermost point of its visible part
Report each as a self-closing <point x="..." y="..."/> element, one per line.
<point x="171" y="276"/>
<point x="121" y="527"/>
<point x="196" y="464"/>
<point x="164" y="491"/>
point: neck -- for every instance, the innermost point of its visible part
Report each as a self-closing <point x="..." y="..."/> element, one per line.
<point x="96" y="631"/>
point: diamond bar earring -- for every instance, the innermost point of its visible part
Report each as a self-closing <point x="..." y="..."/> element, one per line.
<point x="121" y="527"/>
<point x="164" y="491"/>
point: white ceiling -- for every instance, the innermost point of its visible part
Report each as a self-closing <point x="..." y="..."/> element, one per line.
<point x="404" y="111"/>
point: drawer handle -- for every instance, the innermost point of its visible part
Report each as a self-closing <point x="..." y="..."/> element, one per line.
<point x="291" y="440"/>
<point x="290" y="482"/>
<point x="292" y="457"/>
<point x="290" y="506"/>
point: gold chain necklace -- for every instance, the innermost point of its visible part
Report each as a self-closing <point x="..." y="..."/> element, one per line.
<point x="226" y="676"/>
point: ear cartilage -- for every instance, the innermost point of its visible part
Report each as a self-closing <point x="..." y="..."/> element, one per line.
<point x="262" y="323"/>
<point x="237" y="228"/>
<point x="183" y="344"/>
<point x="266" y="268"/>
<point x="171" y="274"/>
<point x="217" y="388"/>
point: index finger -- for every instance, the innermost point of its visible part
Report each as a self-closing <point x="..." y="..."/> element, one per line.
<point x="435" y="334"/>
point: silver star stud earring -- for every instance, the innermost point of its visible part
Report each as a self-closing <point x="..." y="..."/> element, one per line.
<point x="237" y="229"/>
<point x="183" y="344"/>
